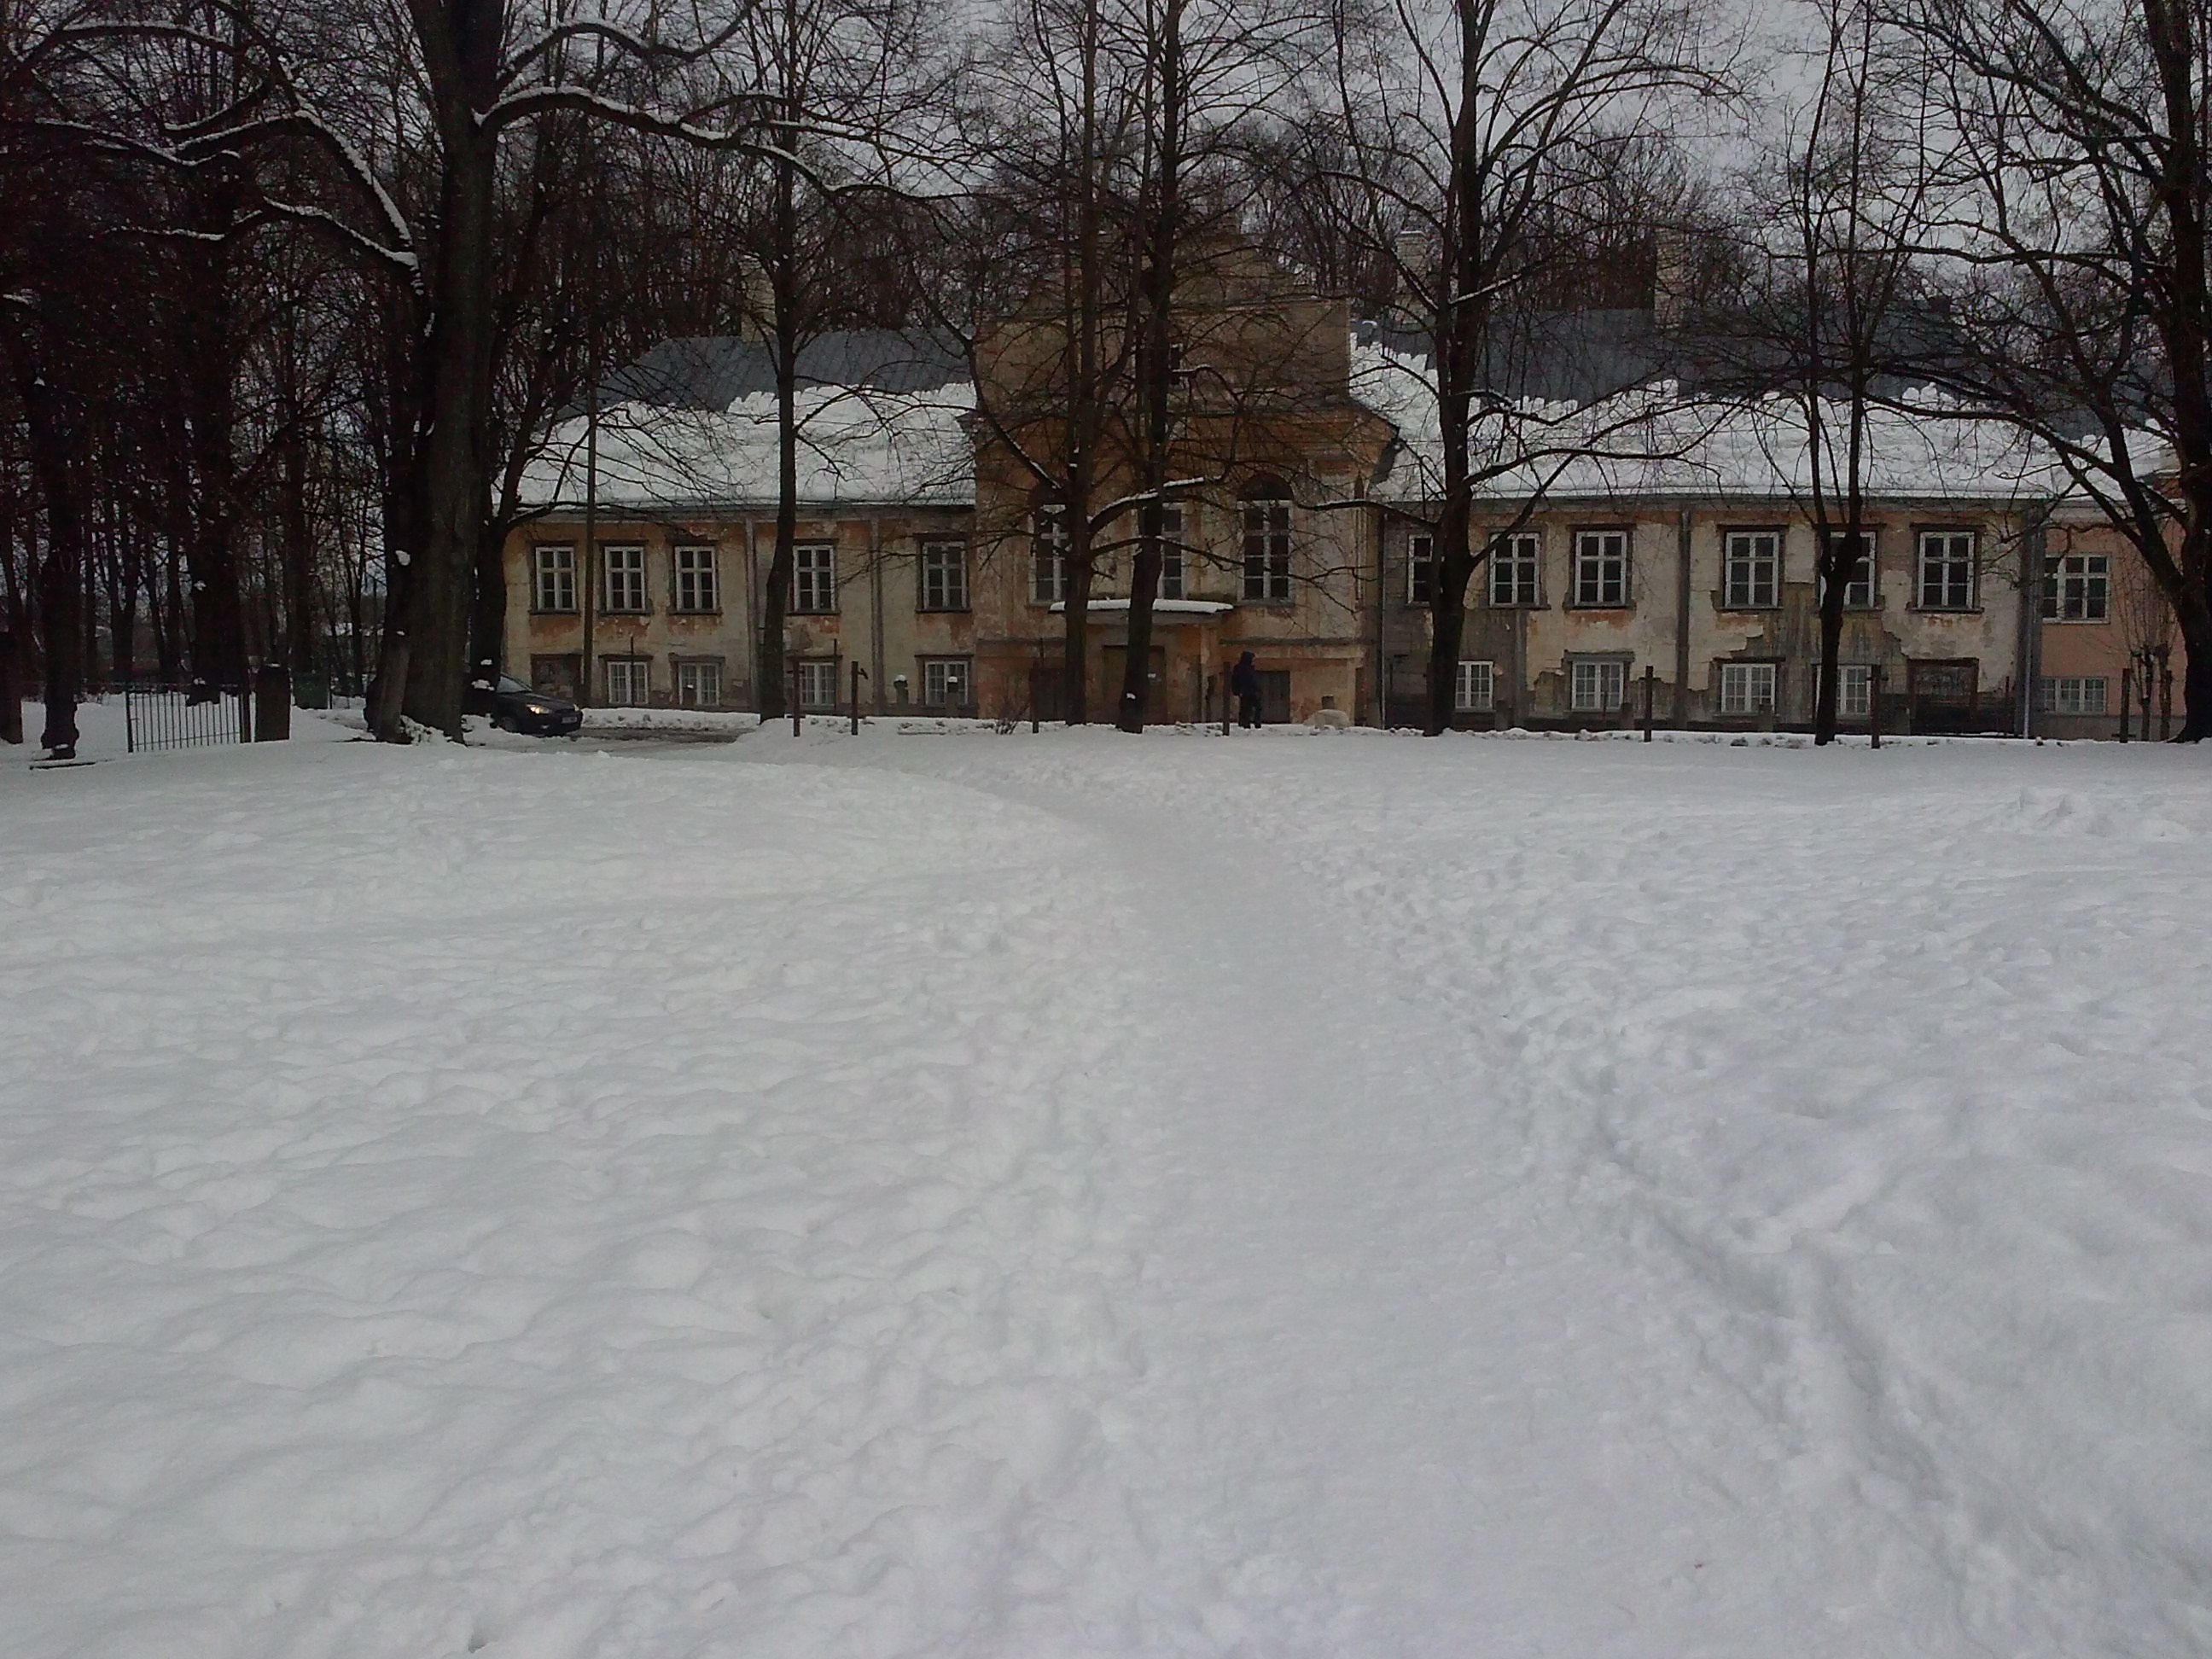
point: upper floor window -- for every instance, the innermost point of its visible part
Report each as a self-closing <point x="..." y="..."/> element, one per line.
<point x="814" y="577"/>
<point x="1752" y="580"/>
<point x="1049" y="545"/>
<point x="696" y="587"/>
<point x="1514" y="563"/>
<point x="2077" y="588"/>
<point x="945" y="575"/>
<point x="1174" y="573"/>
<point x="1601" y="567"/>
<point x="1420" y="570"/>
<point x="625" y="577"/>
<point x="554" y="579"/>
<point x="1268" y="545"/>
<point x="1859" y="585"/>
<point x="1946" y="570"/>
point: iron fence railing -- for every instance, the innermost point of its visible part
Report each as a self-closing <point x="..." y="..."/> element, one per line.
<point x="158" y="717"/>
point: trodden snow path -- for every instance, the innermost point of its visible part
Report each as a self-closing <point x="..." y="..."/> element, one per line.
<point x="1067" y="1195"/>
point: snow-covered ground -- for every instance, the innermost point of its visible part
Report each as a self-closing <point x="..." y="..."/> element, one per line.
<point x="964" y="1195"/>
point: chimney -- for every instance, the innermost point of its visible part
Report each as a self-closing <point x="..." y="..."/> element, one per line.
<point x="1412" y="267"/>
<point x="1671" y="277"/>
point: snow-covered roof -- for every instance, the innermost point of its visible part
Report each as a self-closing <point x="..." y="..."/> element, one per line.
<point x="1663" y="439"/>
<point x="1160" y="607"/>
<point x="858" y="446"/>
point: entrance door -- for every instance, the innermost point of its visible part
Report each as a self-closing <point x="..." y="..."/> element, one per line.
<point x="1275" y="696"/>
<point x="1942" y="694"/>
<point x="1108" y="698"/>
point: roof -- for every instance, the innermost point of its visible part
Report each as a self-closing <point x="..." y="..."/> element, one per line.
<point x="712" y="372"/>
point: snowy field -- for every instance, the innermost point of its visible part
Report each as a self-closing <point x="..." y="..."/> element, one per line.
<point x="1028" y="1197"/>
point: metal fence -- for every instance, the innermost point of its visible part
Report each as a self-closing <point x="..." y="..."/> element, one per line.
<point x="157" y="717"/>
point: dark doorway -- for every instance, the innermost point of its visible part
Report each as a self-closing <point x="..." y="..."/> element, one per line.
<point x="1274" y="696"/>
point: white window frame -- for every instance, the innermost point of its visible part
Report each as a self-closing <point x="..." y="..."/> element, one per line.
<point x="1267" y="533"/>
<point x="1050" y="542"/>
<point x="944" y="573"/>
<point x="1474" y="687"/>
<point x="622" y="578"/>
<point x="696" y="579"/>
<point x="1748" y="688"/>
<point x="813" y="578"/>
<point x="818" y="682"/>
<point x="1420" y="570"/>
<point x="696" y="679"/>
<point x="1751" y="570"/>
<point x="936" y="675"/>
<point x="2077" y="588"/>
<point x="1175" y="567"/>
<point x="1517" y="566"/>
<point x="553" y="571"/>
<point x="1854" y="690"/>
<point x="1945" y="565"/>
<point x="628" y="681"/>
<point x="1601" y="574"/>
<point x="2070" y="694"/>
<point x="1596" y="685"/>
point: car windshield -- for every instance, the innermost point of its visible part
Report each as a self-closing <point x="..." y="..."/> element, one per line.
<point x="508" y="683"/>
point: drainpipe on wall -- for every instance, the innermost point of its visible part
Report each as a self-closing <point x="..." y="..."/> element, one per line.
<point x="752" y="613"/>
<point x="1380" y="679"/>
<point x="587" y="564"/>
<point x="1682" y="520"/>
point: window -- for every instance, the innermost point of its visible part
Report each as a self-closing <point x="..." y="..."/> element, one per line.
<point x="1858" y="590"/>
<point x="1267" y="550"/>
<point x="944" y="682"/>
<point x="625" y="578"/>
<point x="814" y="577"/>
<point x="1601" y="567"/>
<point x="1048" y="542"/>
<point x="945" y="575"/>
<point x="1421" y="570"/>
<point x="697" y="589"/>
<point x="1946" y="570"/>
<point x="818" y="682"/>
<point x="1513" y="564"/>
<point x="1752" y="577"/>
<point x="1747" y="688"/>
<point x="629" y="682"/>
<point x="2078" y="588"/>
<point x="556" y="586"/>
<point x="1597" y="686"/>
<point x="1854" y="690"/>
<point x="2073" y="695"/>
<point x="1476" y="691"/>
<point x="1173" y="580"/>
<point x="699" y="684"/>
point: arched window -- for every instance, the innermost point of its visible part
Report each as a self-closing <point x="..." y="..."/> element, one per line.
<point x="1267" y="541"/>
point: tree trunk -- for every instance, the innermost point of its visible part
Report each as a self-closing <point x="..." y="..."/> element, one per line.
<point x="218" y="621"/>
<point x="54" y="428"/>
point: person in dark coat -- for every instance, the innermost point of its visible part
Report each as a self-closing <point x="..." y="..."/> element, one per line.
<point x="1245" y="681"/>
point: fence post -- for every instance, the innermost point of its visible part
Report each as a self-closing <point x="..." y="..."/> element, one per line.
<point x="857" y="677"/>
<point x="1224" y="702"/>
<point x="795" y="715"/>
<point x="1648" y="678"/>
<point x="1036" y="720"/>
<point x="244" y="711"/>
<point x="272" y="703"/>
<point x="2144" y="694"/>
<point x="1874" y="705"/>
<point x="2165" y="703"/>
<point x="11" y="690"/>
<point x="2127" y="702"/>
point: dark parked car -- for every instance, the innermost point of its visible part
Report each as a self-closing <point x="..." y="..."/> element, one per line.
<point x="514" y="706"/>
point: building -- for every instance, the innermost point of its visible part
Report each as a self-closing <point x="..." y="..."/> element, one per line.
<point x="1669" y="553"/>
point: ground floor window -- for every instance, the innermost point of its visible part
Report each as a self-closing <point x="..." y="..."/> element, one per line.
<point x="2073" y="694"/>
<point x="1854" y="690"/>
<point x="1747" y="688"/>
<point x="1476" y="692"/>
<point x="629" y="682"/>
<point x="818" y="682"/>
<point x="945" y="683"/>
<point x="1597" y="685"/>
<point x="561" y="675"/>
<point x="699" y="684"/>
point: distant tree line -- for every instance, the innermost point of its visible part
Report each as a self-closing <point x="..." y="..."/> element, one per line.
<point x="293" y="291"/>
